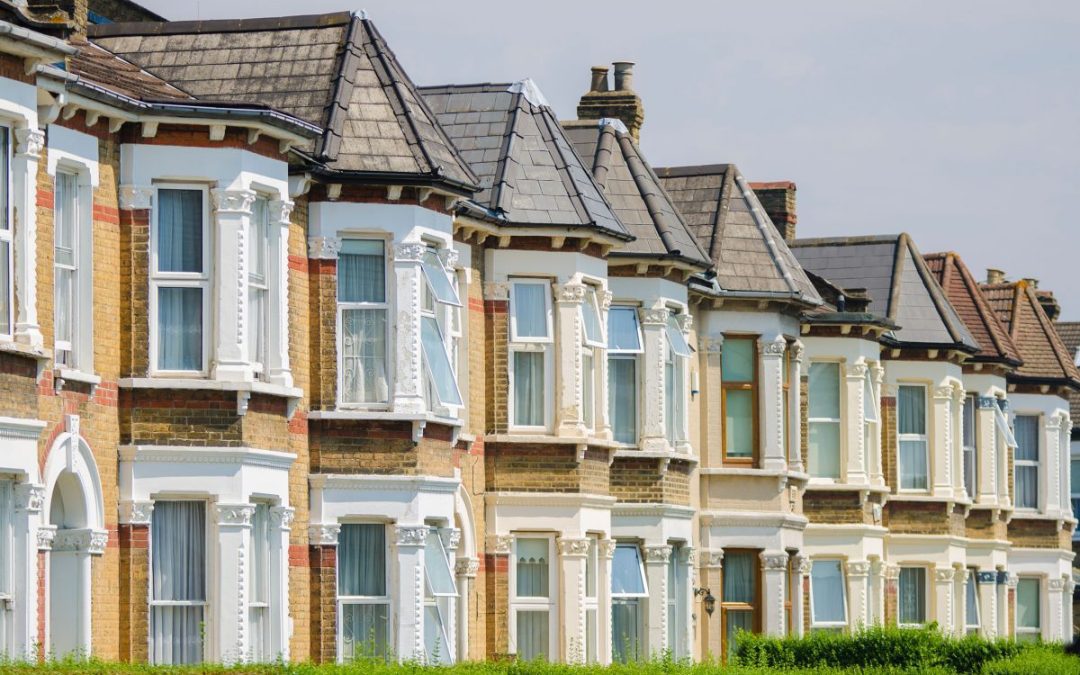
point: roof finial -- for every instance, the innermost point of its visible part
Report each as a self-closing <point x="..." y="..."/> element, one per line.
<point x="364" y="15"/>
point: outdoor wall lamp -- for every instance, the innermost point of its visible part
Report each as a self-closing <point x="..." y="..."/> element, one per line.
<point x="710" y="601"/>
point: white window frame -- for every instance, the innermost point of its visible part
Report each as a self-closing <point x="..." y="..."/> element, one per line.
<point x="260" y="361"/>
<point x="201" y="280"/>
<point x="1074" y="491"/>
<point x="925" y="596"/>
<point x="592" y="350"/>
<point x="871" y="420"/>
<point x="1030" y="632"/>
<point x="634" y="355"/>
<point x="66" y="351"/>
<point x="385" y="306"/>
<point x="592" y="601"/>
<point x="592" y="300"/>
<point x="829" y="625"/>
<point x="1029" y="464"/>
<point x="7" y="594"/>
<point x="543" y="345"/>
<point x="641" y="600"/>
<point x="440" y="601"/>
<point x="209" y="615"/>
<point x="924" y="438"/>
<point x="261" y="552"/>
<point x="837" y="421"/>
<point x="525" y="604"/>
<point x="678" y="581"/>
<point x="432" y="307"/>
<point x="7" y="232"/>
<point x="340" y="601"/>
<point x="676" y="430"/>
<point x="1005" y="442"/>
<point x="972" y="583"/>
<point x="970" y="451"/>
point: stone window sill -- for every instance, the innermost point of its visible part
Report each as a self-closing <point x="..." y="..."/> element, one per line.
<point x="243" y="390"/>
<point x="62" y="375"/>
<point x="20" y="349"/>
<point x="783" y="477"/>
<point x="418" y="420"/>
<point x="663" y="457"/>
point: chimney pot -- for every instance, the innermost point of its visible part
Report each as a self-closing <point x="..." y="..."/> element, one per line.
<point x="1031" y="281"/>
<point x="599" y="79"/>
<point x="624" y="75"/>
<point x="994" y="275"/>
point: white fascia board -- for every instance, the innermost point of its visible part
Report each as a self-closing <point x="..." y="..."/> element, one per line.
<point x="850" y="348"/>
<point x="400" y="499"/>
<point x="227" y="168"/>
<point x="927" y="372"/>
<point x="225" y="473"/>
<point x="562" y="265"/>
<point x="18" y="103"/>
<point x="572" y="515"/>
<point x="649" y="291"/>
<point x="405" y="222"/>
<point x="715" y="322"/>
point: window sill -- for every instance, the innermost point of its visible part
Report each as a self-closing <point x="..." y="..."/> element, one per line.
<point x="663" y="457"/>
<point x="62" y="375"/>
<point x="864" y="489"/>
<point x="8" y="346"/>
<point x="581" y="443"/>
<point x="418" y="420"/>
<point x="783" y="477"/>
<point x="243" y="390"/>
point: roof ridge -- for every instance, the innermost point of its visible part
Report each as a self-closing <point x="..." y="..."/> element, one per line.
<point x="938" y="297"/>
<point x="1066" y="363"/>
<point x="563" y="170"/>
<point x="662" y="228"/>
<point x="756" y="211"/>
<point x="122" y="28"/>
<point x="602" y="156"/>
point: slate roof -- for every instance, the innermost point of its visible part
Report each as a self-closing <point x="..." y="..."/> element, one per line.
<point x="724" y="214"/>
<point x="634" y="191"/>
<point x="100" y="66"/>
<point x="333" y="70"/>
<point x="1046" y="358"/>
<point x="963" y="293"/>
<point x="901" y="286"/>
<point x="528" y="170"/>
<point x="1069" y="332"/>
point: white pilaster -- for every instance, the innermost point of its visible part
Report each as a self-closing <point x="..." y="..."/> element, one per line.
<point x="988" y="605"/>
<point x="24" y="169"/>
<point x="408" y="388"/>
<point x="279" y="370"/>
<point x="657" y="559"/>
<point x="653" y="424"/>
<point x="232" y="213"/>
<point x="943" y="599"/>
<point x="774" y="567"/>
<point x="28" y="501"/>
<point x="1051" y="466"/>
<point x="281" y="518"/>
<point x="227" y="639"/>
<point x="603" y="591"/>
<point x="800" y="571"/>
<point x="858" y="580"/>
<point x="568" y="349"/>
<point x="1060" y="626"/>
<point x="465" y="570"/>
<point x="941" y="444"/>
<point x="855" y="386"/>
<point x="877" y="471"/>
<point x="573" y="554"/>
<point x="794" y="427"/>
<point x="409" y="552"/>
<point x="960" y="582"/>
<point x="876" y="610"/>
<point x="986" y="439"/>
<point x="770" y="401"/>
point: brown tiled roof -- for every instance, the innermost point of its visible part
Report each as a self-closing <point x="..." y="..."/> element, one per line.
<point x="333" y="70"/>
<point x="1069" y="332"/>
<point x="1046" y="359"/>
<point x="95" y="64"/>
<point x="963" y="293"/>
<point x="635" y="193"/>
<point x="720" y="209"/>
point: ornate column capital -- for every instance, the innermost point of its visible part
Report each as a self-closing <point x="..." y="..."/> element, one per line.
<point x="657" y="316"/>
<point x="133" y="512"/>
<point x="280" y="211"/>
<point x="606" y="549"/>
<point x="774" y="560"/>
<point x="687" y="555"/>
<point x="87" y="540"/>
<point x="409" y="252"/>
<point x="135" y="197"/>
<point x="574" y="548"/>
<point x="943" y="392"/>
<point x="1055" y="585"/>
<point x="944" y="575"/>
<point x="451" y="537"/>
<point x="570" y="293"/>
<point x="323" y="534"/>
<point x="773" y="348"/>
<point x="496" y="290"/>
<point x="233" y="201"/>
<point x="685" y="321"/>
<point x="46" y="534"/>
<point x="234" y="514"/>
<point x="712" y="558"/>
<point x="29" y="497"/>
<point x="324" y="248"/>
<point x="29" y="142"/>
<point x="892" y="572"/>
<point x="605" y="297"/>
<point x="410" y="535"/>
<point x="804" y="564"/>
<point x="499" y="544"/>
<point x="282" y="517"/>
<point x="657" y="555"/>
<point x="859" y="568"/>
<point x="857" y="370"/>
<point x="711" y="345"/>
<point x="449" y="258"/>
<point x="466" y="567"/>
<point x="796" y="348"/>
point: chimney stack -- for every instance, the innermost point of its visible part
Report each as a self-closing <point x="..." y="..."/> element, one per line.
<point x="778" y="200"/>
<point x="77" y="12"/>
<point x="995" y="276"/>
<point x="620" y="103"/>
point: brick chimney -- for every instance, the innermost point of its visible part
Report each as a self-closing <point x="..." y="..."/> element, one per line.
<point x="995" y="276"/>
<point x="621" y="102"/>
<point x="77" y="11"/>
<point x="778" y="200"/>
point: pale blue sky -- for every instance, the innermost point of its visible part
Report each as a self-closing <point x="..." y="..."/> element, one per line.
<point x="958" y="122"/>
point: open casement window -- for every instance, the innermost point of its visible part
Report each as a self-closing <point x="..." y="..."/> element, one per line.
<point x="7" y="536"/>
<point x="1026" y="462"/>
<point x="973" y="617"/>
<point x="593" y="342"/>
<point x="440" y="593"/>
<point x="363" y="600"/>
<point x="532" y="602"/>
<point x="1005" y="443"/>
<point x="177" y="582"/>
<point x="824" y="420"/>
<point x="914" y="448"/>
<point x="871" y="419"/>
<point x="7" y="263"/>
<point x="1028" y="609"/>
<point x="258" y="243"/>
<point x="677" y="598"/>
<point x="912" y="596"/>
<point x="531" y="341"/>
<point x="740" y="597"/>
<point x="259" y="599"/>
<point x="628" y="593"/>
<point x="438" y="301"/>
<point x="785" y="401"/>
<point x="828" y="595"/>
<point x="624" y="350"/>
<point x="738" y="377"/>
<point x="676" y="355"/>
<point x="67" y="276"/>
<point x="969" y="434"/>
<point x="362" y="323"/>
<point x="180" y="281"/>
<point x="592" y="604"/>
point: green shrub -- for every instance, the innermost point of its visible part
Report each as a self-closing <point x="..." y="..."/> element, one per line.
<point x="1038" y="660"/>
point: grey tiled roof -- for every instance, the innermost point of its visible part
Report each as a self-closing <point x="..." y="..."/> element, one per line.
<point x="635" y="193"/>
<point x="528" y="170"/>
<point x="333" y="70"/>
<point x="720" y="209"/>
<point x="901" y="286"/>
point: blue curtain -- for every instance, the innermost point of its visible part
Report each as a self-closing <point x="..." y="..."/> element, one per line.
<point x="180" y="231"/>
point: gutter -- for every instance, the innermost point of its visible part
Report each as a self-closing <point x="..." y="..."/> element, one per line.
<point x="44" y="45"/>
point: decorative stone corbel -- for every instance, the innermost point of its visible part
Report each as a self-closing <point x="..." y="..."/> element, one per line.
<point x="135" y="198"/>
<point x="574" y="548"/>
<point x="323" y="534"/>
<point x="324" y="248"/>
<point x="499" y="544"/>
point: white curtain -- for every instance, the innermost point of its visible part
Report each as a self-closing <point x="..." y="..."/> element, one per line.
<point x="739" y="579"/>
<point x="626" y="630"/>
<point x="911" y="404"/>
<point x="529" y="388"/>
<point x="362" y="574"/>
<point x="827" y="586"/>
<point x="912" y="595"/>
<point x="363" y="357"/>
<point x="178" y="574"/>
<point x="532" y="568"/>
<point x="622" y="397"/>
<point x="1027" y="450"/>
<point x="64" y="245"/>
<point x="180" y="328"/>
<point x="532" y="635"/>
<point x="739" y="422"/>
<point x="180" y="231"/>
<point x="530" y="310"/>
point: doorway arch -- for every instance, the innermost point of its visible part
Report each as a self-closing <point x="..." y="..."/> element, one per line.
<point x="75" y="509"/>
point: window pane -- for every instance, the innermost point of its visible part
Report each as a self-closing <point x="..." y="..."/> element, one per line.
<point x="913" y="465"/>
<point x="1027" y="603"/>
<point x="824" y="449"/>
<point x="623" y="332"/>
<point x="824" y="390"/>
<point x="363" y="356"/>
<point x="176" y="634"/>
<point x="1027" y="438"/>
<point x="66" y="218"/>
<point x="532" y="635"/>
<point x="827" y="587"/>
<point x="363" y="631"/>
<point x="260" y="554"/>
<point x="361" y="271"/>
<point x="437" y="565"/>
<point x="590" y="569"/>
<point x="911" y="402"/>
<point x="1027" y="486"/>
<point x="529" y="389"/>
<point x="64" y="280"/>
<point x="626" y="625"/>
<point x="740" y="582"/>
<point x="969" y="471"/>
<point x="438" y="362"/>
<point x="258" y="240"/>
<point x="533" y="565"/>
<point x="258" y="299"/>
<point x="588" y="399"/>
<point x="5" y="177"/>
<point x="972" y="599"/>
<point x="362" y="560"/>
<point x="590" y="317"/>
<point x="622" y="398"/>
<point x="1074" y="475"/>
<point x="737" y="360"/>
<point x="530" y="310"/>
<point x="626" y="571"/>
<point x="180" y="230"/>
<point x="676" y="339"/>
<point x="870" y="407"/>
<point x="435" y="639"/>
<point x="739" y="423"/>
<point x="912" y="595"/>
<point x="180" y="329"/>
<point x="969" y="421"/>
<point x="5" y="287"/>
<point x="734" y="621"/>
<point x="438" y="278"/>
<point x="178" y="572"/>
<point x="591" y="630"/>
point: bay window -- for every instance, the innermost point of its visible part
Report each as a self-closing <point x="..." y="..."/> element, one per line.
<point x="530" y="351"/>
<point x="592" y="605"/>
<point x="972" y="618"/>
<point x="7" y="264"/>
<point x="677" y="609"/>
<point x="911" y="425"/>
<point x="970" y="451"/>
<point x="912" y="596"/>
<point x="871" y="419"/>
<point x="180" y="280"/>
<point x="258" y="242"/>
<point x="628" y="589"/>
<point x="739" y="600"/>
<point x="828" y="596"/>
<point x="593" y="341"/>
<point x="677" y="353"/>
<point x="67" y="277"/>
<point x="1026" y="462"/>
<point x="1074" y="480"/>
<point x="824" y="420"/>
<point x="738" y="375"/>
<point x="363" y="601"/>
<point x="438" y="301"/>
<point x="440" y="593"/>
<point x="532" y="605"/>
<point x="1028" y="609"/>
<point x="362" y="322"/>
<point x="259" y="600"/>
<point x="624" y="348"/>
<point x="177" y="581"/>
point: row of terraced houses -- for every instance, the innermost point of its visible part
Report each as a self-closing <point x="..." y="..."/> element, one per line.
<point x="301" y="360"/>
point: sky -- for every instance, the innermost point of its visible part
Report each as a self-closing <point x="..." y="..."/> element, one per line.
<point x="957" y="122"/>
